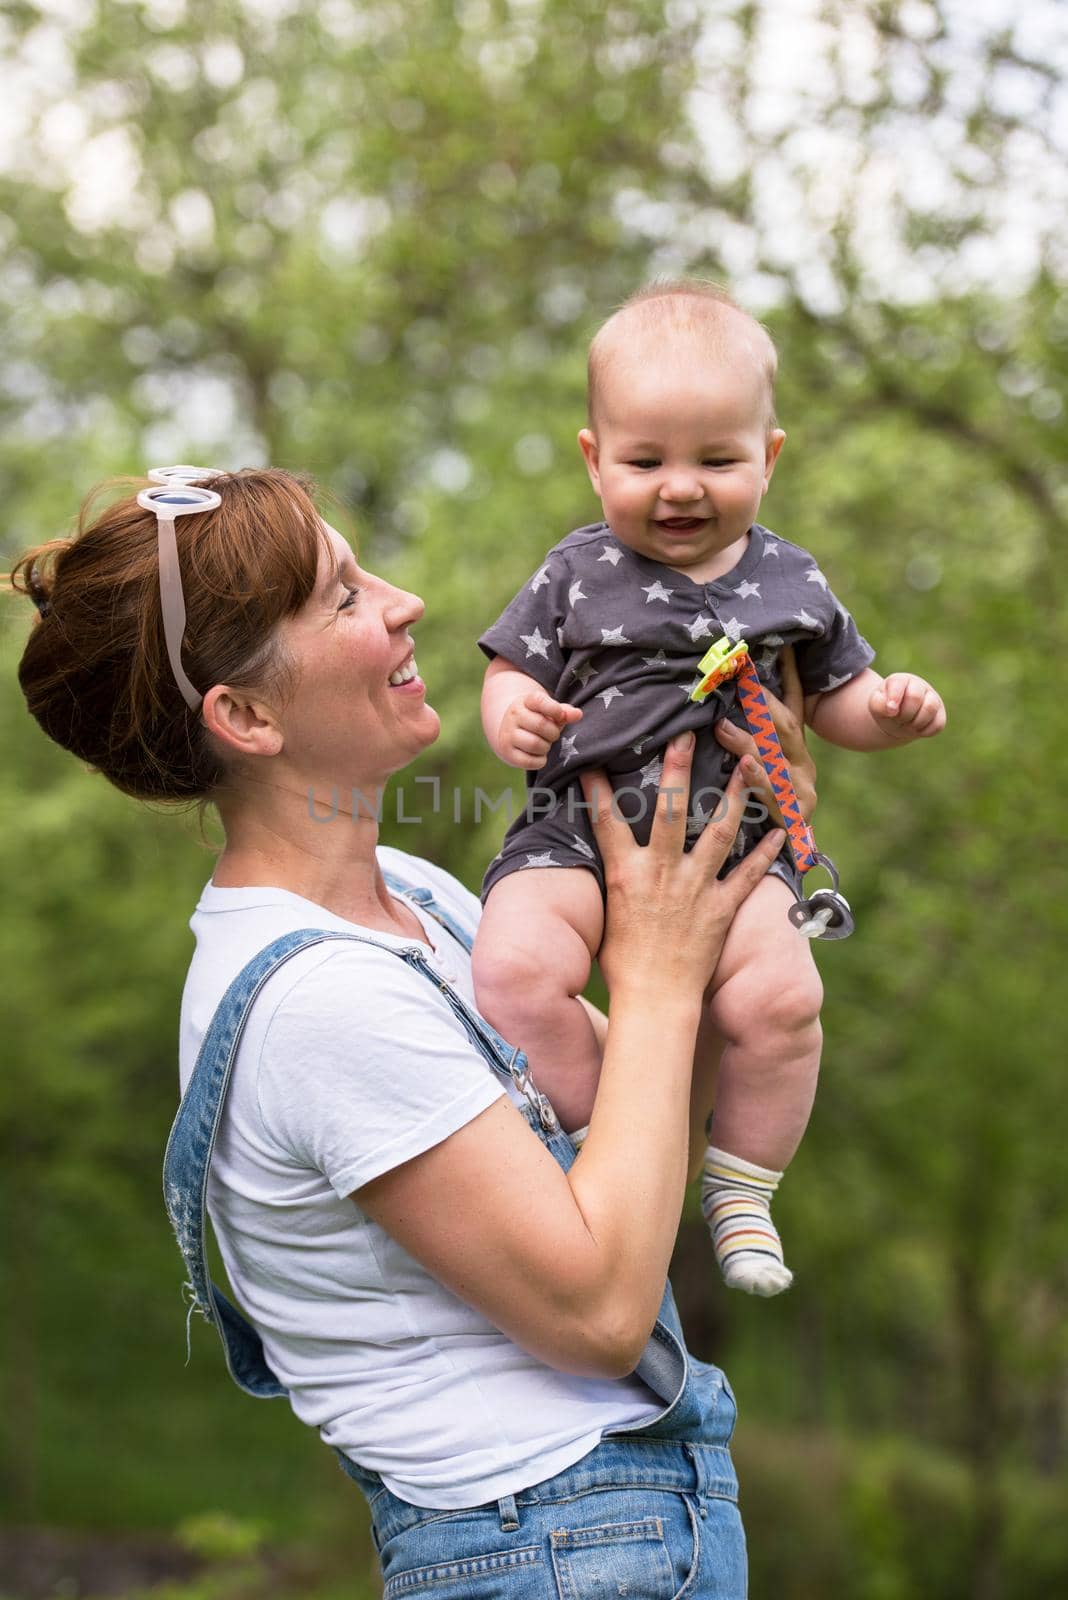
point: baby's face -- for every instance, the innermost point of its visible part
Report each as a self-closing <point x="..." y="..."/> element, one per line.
<point x="681" y="455"/>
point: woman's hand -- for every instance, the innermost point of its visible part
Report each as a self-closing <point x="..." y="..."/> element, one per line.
<point x="788" y="715"/>
<point x="667" y="912"/>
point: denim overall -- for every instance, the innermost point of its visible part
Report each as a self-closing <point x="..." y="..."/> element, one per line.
<point x="650" y="1513"/>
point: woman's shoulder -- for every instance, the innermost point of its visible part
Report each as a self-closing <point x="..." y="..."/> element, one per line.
<point x="232" y="927"/>
<point x="342" y="973"/>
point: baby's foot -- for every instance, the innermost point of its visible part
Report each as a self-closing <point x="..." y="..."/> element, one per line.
<point x="736" y="1202"/>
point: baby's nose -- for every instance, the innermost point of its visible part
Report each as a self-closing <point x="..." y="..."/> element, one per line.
<point x="680" y="486"/>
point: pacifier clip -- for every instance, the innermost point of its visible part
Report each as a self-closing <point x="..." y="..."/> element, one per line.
<point x="825" y="913"/>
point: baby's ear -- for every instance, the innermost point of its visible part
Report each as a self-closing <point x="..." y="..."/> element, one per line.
<point x="590" y="453"/>
<point x="775" y="441"/>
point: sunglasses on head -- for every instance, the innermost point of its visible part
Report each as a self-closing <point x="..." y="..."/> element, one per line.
<point x="176" y="492"/>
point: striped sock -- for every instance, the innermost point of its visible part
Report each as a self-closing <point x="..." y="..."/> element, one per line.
<point x="736" y="1202"/>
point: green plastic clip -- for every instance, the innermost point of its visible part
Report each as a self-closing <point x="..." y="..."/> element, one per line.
<point x="722" y="660"/>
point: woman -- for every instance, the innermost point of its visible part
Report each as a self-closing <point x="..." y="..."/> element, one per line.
<point x="476" y="1320"/>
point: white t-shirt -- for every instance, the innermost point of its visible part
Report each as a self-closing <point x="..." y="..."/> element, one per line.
<point x="351" y="1064"/>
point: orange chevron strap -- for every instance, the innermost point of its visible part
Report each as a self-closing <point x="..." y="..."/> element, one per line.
<point x="723" y="661"/>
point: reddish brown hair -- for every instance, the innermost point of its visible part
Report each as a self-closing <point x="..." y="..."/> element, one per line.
<point x="95" y="672"/>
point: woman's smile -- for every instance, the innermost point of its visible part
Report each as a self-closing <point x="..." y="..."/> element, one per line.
<point x="406" y="676"/>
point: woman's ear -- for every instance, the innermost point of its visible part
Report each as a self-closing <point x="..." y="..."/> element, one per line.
<point x="245" y="725"/>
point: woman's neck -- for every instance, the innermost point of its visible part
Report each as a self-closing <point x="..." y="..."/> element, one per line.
<point x="273" y="840"/>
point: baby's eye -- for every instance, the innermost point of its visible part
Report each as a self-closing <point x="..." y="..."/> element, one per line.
<point x="644" y="464"/>
<point x="720" y="461"/>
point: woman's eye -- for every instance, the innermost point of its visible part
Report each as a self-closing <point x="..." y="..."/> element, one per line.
<point x="350" y="598"/>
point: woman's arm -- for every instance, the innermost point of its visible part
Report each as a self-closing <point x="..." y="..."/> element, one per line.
<point x="572" y="1266"/>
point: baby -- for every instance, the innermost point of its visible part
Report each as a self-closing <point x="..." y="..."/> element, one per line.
<point x="591" y="665"/>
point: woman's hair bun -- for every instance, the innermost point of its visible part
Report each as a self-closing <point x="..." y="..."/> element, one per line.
<point x="38" y="593"/>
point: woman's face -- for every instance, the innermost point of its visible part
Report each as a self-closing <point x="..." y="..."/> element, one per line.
<point x="347" y="723"/>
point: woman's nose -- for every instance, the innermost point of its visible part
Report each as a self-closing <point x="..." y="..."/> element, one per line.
<point x="401" y="608"/>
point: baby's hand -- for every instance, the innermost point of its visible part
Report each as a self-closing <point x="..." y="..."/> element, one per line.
<point x="530" y="726"/>
<point x="906" y="707"/>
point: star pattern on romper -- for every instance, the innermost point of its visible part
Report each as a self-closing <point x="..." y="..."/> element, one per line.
<point x="544" y="859"/>
<point x="771" y="547"/>
<point x="609" y="694"/>
<point x="656" y="591"/>
<point x="814" y="575"/>
<point x="733" y="629"/>
<point x="575" y="592"/>
<point x="697" y="821"/>
<point x="540" y="577"/>
<point x="612" y="553"/>
<point x="614" y="636"/>
<point x="639" y="747"/>
<point x="834" y="683"/>
<point x="659" y="660"/>
<point x="584" y="673"/>
<point x="688" y="688"/>
<point x="567" y="747"/>
<point x="700" y="628"/>
<point x="805" y="620"/>
<point x="582" y="847"/>
<point x="536" y="644"/>
<point x="651" y="773"/>
<point x="745" y="589"/>
<point x="774" y="641"/>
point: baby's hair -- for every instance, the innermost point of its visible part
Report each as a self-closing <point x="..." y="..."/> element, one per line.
<point x="694" y="307"/>
<point x="95" y="670"/>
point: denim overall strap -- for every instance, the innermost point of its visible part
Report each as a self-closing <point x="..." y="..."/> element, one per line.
<point x="663" y="1366"/>
<point x="188" y="1158"/>
<point x="425" y="899"/>
<point x="510" y="1059"/>
<point x="192" y="1138"/>
<point x="663" y="1363"/>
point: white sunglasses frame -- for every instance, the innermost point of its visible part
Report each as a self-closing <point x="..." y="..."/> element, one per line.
<point x="176" y="492"/>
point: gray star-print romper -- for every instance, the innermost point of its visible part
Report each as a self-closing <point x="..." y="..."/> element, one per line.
<point x="606" y="629"/>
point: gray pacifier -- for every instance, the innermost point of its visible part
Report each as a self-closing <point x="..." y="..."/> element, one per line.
<point x="825" y="913"/>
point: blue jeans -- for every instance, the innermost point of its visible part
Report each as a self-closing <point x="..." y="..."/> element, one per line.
<point x="640" y="1517"/>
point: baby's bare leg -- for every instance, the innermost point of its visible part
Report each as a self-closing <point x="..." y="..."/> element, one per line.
<point x="539" y="932"/>
<point x="765" y="1005"/>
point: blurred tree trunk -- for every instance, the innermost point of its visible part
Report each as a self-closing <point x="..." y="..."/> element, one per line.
<point x="983" y="1396"/>
<point x="20" y="1435"/>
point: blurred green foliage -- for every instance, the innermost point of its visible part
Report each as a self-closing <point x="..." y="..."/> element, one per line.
<point x="371" y="241"/>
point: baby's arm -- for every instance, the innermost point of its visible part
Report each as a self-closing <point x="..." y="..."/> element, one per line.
<point x="874" y="713"/>
<point x="521" y="721"/>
